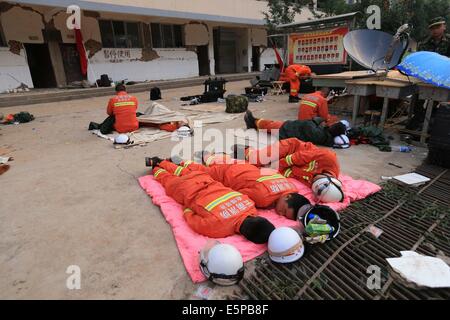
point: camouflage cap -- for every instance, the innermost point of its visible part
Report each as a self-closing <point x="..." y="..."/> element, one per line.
<point x="436" y="21"/>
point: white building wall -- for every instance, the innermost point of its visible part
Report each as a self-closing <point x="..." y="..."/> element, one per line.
<point x="171" y="64"/>
<point x="268" y="57"/>
<point x="13" y="70"/>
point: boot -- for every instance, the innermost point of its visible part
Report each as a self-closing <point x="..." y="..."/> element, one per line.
<point x="94" y="126"/>
<point x="250" y="120"/>
<point x="294" y="99"/>
<point x="153" y="162"/>
<point x="239" y="151"/>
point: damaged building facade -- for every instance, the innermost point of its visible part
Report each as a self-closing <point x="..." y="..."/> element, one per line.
<point x="135" y="40"/>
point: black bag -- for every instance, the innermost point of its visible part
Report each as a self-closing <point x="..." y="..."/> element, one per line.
<point x="155" y="93"/>
<point x="104" y="81"/>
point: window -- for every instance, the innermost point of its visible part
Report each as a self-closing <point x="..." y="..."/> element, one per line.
<point x="2" y="37"/>
<point x="166" y="35"/>
<point x="119" y="34"/>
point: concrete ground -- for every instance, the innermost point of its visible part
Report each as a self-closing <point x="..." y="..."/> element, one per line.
<point x="70" y="198"/>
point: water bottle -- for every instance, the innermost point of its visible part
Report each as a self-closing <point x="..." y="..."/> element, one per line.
<point x="401" y="148"/>
<point x="314" y="218"/>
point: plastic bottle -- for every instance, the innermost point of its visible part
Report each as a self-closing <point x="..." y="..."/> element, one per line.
<point x="401" y="148"/>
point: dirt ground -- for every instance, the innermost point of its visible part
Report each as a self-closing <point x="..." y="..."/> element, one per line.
<point x="70" y="198"/>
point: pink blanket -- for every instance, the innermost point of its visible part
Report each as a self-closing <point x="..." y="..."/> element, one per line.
<point x="190" y="243"/>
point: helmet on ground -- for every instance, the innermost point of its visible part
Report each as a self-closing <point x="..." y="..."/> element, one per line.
<point x="285" y="245"/>
<point x="222" y="264"/>
<point x="341" y="142"/>
<point x="327" y="189"/>
<point x="183" y="132"/>
<point x="346" y="123"/>
<point x="325" y="213"/>
<point x="121" y="139"/>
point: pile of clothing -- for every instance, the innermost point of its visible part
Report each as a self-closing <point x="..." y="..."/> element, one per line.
<point x="21" y="117"/>
<point x="369" y="135"/>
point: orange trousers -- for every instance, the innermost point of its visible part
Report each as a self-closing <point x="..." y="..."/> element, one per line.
<point x="268" y="125"/>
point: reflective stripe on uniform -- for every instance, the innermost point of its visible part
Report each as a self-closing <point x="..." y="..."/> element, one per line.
<point x="311" y="166"/>
<point x="187" y="163"/>
<point x="289" y="160"/>
<point x="123" y="104"/>
<point x="158" y="172"/>
<point x="257" y="123"/>
<point x="187" y="210"/>
<point x="272" y="177"/>
<point x="293" y="90"/>
<point x="210" y="206"/>
<point x="178" y="170"/>
<point x="288" y="172"/>
<point x="209" y="160"/>
<point x="309" y="103"/>
<point x="248" y="154"/>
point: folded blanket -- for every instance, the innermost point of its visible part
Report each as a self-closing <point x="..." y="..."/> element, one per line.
<point x="190" y="243"/>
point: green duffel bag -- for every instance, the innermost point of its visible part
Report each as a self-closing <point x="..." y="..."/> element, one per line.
<point x="236" y="104"/>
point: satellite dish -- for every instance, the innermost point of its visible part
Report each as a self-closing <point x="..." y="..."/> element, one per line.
<point x="376" y="50"/>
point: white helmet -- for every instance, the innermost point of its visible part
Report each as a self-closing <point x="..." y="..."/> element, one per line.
<point x="121" y="139"/>
<point x="184" y="132"/>
<point x="285" y="245"/>
<point x="341" y="142"/>
<point x="328" y="189"/>
<point x="346" y="124"/>
<point x="222" y="264"/>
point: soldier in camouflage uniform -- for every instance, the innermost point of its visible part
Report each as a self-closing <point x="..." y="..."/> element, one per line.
<point x="438" y="41"/>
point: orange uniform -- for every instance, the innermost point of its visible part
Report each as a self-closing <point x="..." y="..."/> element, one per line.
<point x="210" y="208"/>
<point x="315" y="105"/>
<point x="123" y="107"/>
<point x="297" y="159"/>
<point x="293" y="72"/>
<point x="264" y="188"/>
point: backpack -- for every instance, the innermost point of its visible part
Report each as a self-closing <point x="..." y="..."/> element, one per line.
<point x="236" y="104"/>
<point x="155" y="93"/>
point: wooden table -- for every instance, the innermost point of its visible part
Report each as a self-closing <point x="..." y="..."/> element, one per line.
<point x="337" y="80"/>
<point x="431" y="94"/>
<point x="385" y="88"/>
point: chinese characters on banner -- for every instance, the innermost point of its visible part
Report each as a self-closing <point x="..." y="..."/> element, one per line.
<point x="318" y="47"/>
<point x="117" y="55"/>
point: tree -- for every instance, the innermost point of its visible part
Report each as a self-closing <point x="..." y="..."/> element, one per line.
<point x="394" y="13"/>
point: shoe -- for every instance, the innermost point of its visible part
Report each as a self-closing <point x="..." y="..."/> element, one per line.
<point x="250" y="120"/>
<point x="199" y="156"/>
<point x="153" y="162"/>
<point x="94" y="126"/>
<point x="293" y="99"/>
<point x="239" y="151"/>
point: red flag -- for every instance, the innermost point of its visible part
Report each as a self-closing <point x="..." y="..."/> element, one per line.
<point x="81" y="52"/>
<point x="279" y="59"/>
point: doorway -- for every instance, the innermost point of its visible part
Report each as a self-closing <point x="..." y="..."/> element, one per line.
<point x="203" y="60"/>
<point x="224" y="51"/>
<point x="71" y="61"/>
<point x="40" y="65"/>
<point x="255" y="58"/>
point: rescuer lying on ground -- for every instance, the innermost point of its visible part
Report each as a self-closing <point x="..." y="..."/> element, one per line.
<point x="265" y="187"/>
<point x="316" y="167"/>
<point x="305" y="130"/>
<point x="316" y="105"/>
<point x="210" y="208"/>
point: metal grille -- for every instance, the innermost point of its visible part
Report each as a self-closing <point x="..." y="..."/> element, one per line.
<point x="415" y="219"/>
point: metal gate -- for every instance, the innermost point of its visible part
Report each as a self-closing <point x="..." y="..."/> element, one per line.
<point x="415" y="219"/>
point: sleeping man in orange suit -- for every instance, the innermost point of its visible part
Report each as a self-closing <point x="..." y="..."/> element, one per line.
<point x="265" y="187"/>
<point x="210" y="208"/>
<point x="316" y="167"/>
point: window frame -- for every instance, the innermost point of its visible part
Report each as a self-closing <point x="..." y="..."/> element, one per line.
<point x="162" y="38"/>
<point x="124" y="22"/>
<point x="3" y="43"/>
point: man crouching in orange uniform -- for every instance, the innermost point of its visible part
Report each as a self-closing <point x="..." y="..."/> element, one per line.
<point x="210" y="208"/>
<point x="265" y="187"/>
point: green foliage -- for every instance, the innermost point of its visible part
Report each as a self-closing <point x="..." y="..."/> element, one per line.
<point x="394" y="13"/>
